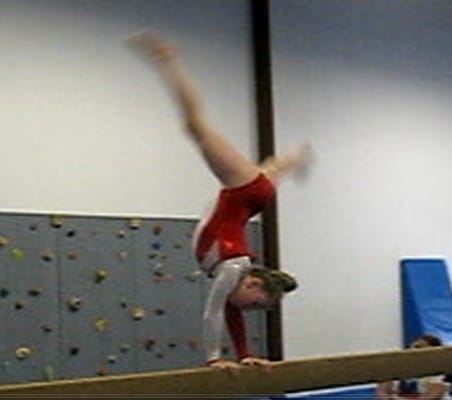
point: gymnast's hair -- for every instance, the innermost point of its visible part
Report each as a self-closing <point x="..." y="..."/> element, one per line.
<point x="432" y="340"/>
<point x="276" y="282"/>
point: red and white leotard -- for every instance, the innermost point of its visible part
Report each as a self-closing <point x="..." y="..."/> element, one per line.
<point x="221" y="233"/>
<point x="222" y="251"/>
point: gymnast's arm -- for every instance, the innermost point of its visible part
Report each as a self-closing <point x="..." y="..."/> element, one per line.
<point x="214" y="312"/>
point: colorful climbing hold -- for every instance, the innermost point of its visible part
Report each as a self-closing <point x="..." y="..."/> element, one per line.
<point x="49" y="373"/>
<point x="23" y="352"/>
<point x="135" y="223"/>
<point x="159" y="311"/>
<point x="18" y="254"/>
<point x="4" y="241"/>
<point x="47" y="255"/>
<point x="72" y="255"/>
<point x="101" y="275"/>
<point x="35" y="292"/>
<point x="125" y="348"/>
<point x="156" y="245"/>
<point x="56" y="221"/>
<point x="73" y="351"/>
<point x="138" y="313"/>
<point x="74" y="303"/>
<point x="101" y="325"/>
<point x="149" y="344"/>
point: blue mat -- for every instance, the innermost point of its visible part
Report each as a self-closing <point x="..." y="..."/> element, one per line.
<point x="426" y="299"/>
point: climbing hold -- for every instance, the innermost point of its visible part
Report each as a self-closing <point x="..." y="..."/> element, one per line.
<point x="159" y="355"/>
<point x="46" y="328"/>
<point x="101" y="325"/>
<point x="123" y="302"/>
<point x="159" y="276"/>
<point x="112" y="359"/>
<point x="101" y="275"/>
<point x="194" y="276"/>
<point x="121" y="233"/>
<point x="56" y="221"/>
<point x="156" y="245"/>
<point x="157" y="229"/>
<point x="125" y="348"/>
<point x="73" y="351"/>
<point x="122" y="255"/>
<point x="72" y="255"/>
<point x="19" y="305"/>
<point x="102" y="371"/>
<point x="33" y="227"/>
<point x="74" y="303"/>
<point x="149" y="344"/>
<point x="138" y="313"/>
<point x="135" y="223"/>
<point x="35" y="292"/>
<point x="4" y="292"/>
<point x="159" y="311"/>
<point x="4" y="241"/>
<point x="18" y="254"/>
<point x="49" y="373"/>
<point x="47" y="255"/>
<point x="23" y="352"/>
<point x="193" y="343"/>
<point x="172" y="345"/>
<point x="158" y="265"/>
<point x="71" y="233"/>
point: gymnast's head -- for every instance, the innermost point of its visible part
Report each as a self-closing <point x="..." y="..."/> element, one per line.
<point x="262" y="288"/>
<point x="426" y="340"/>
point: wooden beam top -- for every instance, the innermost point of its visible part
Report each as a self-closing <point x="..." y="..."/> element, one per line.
<point x="286" y="376"/>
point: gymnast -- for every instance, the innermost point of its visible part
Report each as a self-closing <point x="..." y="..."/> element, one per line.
<point x="219" y="240"/>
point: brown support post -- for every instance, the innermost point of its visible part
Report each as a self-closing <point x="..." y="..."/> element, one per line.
<point x="260" y="21"/>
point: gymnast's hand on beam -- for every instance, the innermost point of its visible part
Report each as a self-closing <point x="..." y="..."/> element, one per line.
<point x="265" y="364"/>
<point x="225" y="365"/>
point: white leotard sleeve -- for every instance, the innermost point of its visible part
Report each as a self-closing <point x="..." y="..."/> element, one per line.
<point x="229" y="273"/>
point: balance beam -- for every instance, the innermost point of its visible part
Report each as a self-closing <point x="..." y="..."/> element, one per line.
<point x="285" y="377"/>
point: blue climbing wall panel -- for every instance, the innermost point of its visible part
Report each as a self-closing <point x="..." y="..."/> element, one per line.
<point x="426" y="299"/>
<point x="88" y="296"/>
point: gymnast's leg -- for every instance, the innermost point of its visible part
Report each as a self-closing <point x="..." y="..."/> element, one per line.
<point x="229" y="165"/>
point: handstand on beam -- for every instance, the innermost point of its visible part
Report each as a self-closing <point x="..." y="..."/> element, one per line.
<point x="286" y="376"/>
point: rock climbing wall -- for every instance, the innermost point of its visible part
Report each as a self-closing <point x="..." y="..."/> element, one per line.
<point x="88" y="296"/>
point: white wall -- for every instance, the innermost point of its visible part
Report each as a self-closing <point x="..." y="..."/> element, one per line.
<point x="88" y="127"/>
<point x="370" y="84"/>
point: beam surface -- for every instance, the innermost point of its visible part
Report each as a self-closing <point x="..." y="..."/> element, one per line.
<point x="285" y="377"/>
